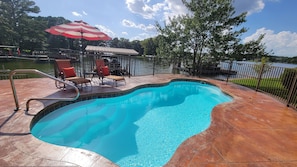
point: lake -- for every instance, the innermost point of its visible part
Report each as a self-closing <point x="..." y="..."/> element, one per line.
<point x="245" y="69"/>
<point x="138" y="66"/>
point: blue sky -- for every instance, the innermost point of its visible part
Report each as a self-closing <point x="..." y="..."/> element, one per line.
<point x="135" y="19"/>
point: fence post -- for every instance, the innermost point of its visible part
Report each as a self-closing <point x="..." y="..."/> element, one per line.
<point x="292" y="89"/>
<point x="229" y="70"/>
<point x="130" y="66"/>
<point x="260" y="76"/>
<point x="154" y="61"/>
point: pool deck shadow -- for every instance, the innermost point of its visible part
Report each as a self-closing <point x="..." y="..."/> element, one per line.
<point x="252" y="130"/>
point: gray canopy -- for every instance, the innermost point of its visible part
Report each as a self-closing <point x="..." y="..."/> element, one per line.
<point x="121" y="51"/>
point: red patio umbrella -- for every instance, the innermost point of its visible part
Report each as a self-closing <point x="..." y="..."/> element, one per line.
<point x="78" y="30"/>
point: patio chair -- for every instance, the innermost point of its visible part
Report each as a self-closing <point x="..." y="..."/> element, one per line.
<point x="103" y="72"/>
<point x="65" y="71"/>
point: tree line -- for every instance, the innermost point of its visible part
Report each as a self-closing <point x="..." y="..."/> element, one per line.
<point x="209" y="33"/>
<point x="19" y="28"/>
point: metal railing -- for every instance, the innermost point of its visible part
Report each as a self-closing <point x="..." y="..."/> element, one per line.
<point x="12" y="73"/>
<point x="135" y="66"/>
<point x="278" y="81"/>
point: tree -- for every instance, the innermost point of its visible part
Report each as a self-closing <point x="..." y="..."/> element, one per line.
<point x="114" y="43"/>
<point x="124" y="43"/>
<point x="13" y="15"/>
<point x="149" y="47"/>
<point x="209" y="31"/>
<point x="120" y="43"/>
<point x="255" y="49"/>
<point x="136" y="45"/>
<point x="292" y="60"/>
<point x="32" y="34"/>
<point x="56" y="41"/>
<point x="172" y="41"/>
<point x="263" y="66"/>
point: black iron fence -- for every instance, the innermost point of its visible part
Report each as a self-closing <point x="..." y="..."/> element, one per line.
<point x="134" y="65"/>
<point x="278" y="81"/>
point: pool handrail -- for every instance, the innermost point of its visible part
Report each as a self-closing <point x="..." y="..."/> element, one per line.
<point x="13" y="72"/>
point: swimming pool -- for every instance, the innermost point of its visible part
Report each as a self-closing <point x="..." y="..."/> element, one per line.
<point x="142" y="128"/>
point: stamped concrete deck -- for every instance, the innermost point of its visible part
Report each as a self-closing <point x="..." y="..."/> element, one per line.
<point x="253" y="130"/>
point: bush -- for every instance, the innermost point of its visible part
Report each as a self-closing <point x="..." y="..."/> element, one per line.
<point x="287" y="77"/>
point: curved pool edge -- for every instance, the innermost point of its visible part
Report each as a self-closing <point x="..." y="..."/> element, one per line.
<point x="57" y="105"/>
<point x="208" y="147"/>
<point x="206" y="138"/>
<point x="26" y="150"/>
<point x="32" y="149"/>
<point x="19" y="148"/>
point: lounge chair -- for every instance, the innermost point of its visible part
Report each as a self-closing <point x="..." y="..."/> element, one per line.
<point x="103" y="72"/>
<point x="65" y="71"/>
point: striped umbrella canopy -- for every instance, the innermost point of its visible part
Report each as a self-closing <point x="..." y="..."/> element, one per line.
<point x="78" y="30"/>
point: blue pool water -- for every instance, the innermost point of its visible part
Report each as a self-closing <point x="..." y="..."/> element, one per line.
<point x="142" y="128"/>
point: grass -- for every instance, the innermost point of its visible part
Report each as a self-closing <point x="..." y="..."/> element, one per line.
<point x="272" y="86"/>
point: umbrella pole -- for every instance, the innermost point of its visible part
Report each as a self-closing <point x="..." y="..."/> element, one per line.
<point x="82" y="73"/>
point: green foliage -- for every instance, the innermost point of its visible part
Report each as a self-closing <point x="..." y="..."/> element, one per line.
<point x="47" y="40"/>
<point x="266" y="83"/>
<point x="262" y="66"/>
<point x="208" y="31"/>
<point x="14" y="14"/>
<point x="125" y="43"/>
<point x="149" y="46"/>
<point x="172" y="41"/>
<point x="274" y="86"/>
<point x="136" y="45"/>
<point x="287" y="77"/>
<point x="255" y="49"/>
<point x="292" y="60"/>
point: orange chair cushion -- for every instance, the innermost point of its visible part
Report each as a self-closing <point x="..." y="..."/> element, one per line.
<point x="69" y="72"/>
<point x="105" y="71"/>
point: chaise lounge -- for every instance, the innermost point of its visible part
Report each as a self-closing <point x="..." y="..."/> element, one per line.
<point x="65" y="71"/>
<point x="103" y="72"/>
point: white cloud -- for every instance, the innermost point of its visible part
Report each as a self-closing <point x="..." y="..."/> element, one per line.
<point x="250" y="6"/>
<point x="85" y="13"/>
<point x="76" y="14"/>
<point x="174" y="8"/>
<point x="283" y="43"/>
<point x="168" y="8"/>
<point x="106" y="30"/>
<point x="128" y="23"/>
<point x="151" y="28"/>
<point x="141" y="36"/>
<point x="143" y="8"/>
<point x="148" y="10"/>
<point x="125" y="33"/>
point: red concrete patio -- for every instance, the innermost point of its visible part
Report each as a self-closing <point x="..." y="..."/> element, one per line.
<point x="253" y="130"/>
